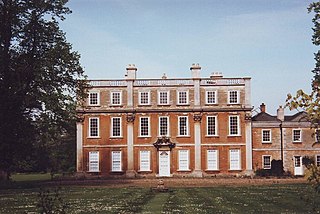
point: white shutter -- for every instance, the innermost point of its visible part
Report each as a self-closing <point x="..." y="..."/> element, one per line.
<point x="183" y="159"/>
<point x="144" y="160"/>
<point x="116" y="161"/>
<point x="94" y="161"/>
<point x="212" y="159"/>
<point x="235" y="159"/>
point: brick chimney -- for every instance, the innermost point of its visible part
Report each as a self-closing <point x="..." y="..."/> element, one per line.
<point x="263" y="107"/>
<point x="195" y="70"/>
<point x="280" y="113"/>
<point x="131" y="72"/>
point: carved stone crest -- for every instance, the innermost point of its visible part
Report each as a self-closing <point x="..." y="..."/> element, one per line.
<point x="130" y="117"/>
<point x="197" y="117"/>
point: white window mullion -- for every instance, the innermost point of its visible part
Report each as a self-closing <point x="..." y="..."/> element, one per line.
<point x="144" y="160"/>
<point x="235" y="161"/>
<point x="94" y="161"/>
<point x="183" y="160"/>
<point x="94" y="127"/>
<point x="116" y="161"/>
<point x="212" y="160"/>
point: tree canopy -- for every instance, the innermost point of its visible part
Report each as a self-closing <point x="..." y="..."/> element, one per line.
<point x="39" y="81"/>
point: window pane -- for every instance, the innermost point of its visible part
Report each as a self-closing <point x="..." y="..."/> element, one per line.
<point x="116" y="127"/>
<point x="235" y="159"/>
<point x="93" y="127"/>
<point x="144" y="126"/>
<point x="297" y="135"/>
<point x="183" y="126"/>
<point x="266" y="135"/>
<point x="93" y="98"/>
<point x="94" y="161"/>
<point x="233" y="96"/>
<point x="182" y="99"/>
<point x="144" y="160"/>
<point x="116" y="161"/>
<point x="211" y="97"/>
<point x="212" y="159"/>
<point x="318" y="160"/>
<point x="144" y="98"/>
<point x="233" y="125"/>
<point x="267" y="162"/>
<point x="116" y="98"/>
<point x="163" y="126"/>
<point x="211" y="126"/>
<point x="163" y="97"/>
<point x="183" y="160"/>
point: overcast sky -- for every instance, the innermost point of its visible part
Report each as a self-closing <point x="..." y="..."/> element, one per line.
<point x="267" y="40"/>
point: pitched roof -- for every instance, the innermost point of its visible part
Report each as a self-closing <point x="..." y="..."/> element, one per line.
<point x="298" y="117"/>
<point x="263" y="116"/>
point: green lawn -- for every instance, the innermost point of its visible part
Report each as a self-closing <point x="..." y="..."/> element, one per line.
<point x="246" y="199"/>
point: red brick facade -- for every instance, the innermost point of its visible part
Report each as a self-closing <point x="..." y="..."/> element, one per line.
<point x="206" y="120"/>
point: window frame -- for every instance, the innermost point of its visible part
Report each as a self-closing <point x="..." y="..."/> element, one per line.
<point x="237" y="97"/>
<point x="98" y="98"/>
<point x="187" y="97"/>
<point x="183" y="160"/>
<point x="140" y="127"/>
<point x="293" y="136"/>
<point x="146" y="160"/>
<point x="112" y="98"/>
<point x="112" y="128"/>
<point x="264" y="166"/>
<point x="159" y="98"/>
<point x="215" y="126"/>
<point x="90" y="127"/>
<point x="215" y="97"/>
<point x="113" y="166"/>
<point x="231" y="164"/>
<point x="168" y="126"/>
<point x="238" y="126"/>
<point x="216" y="164"/>
<point x="92" y="163"/>
<point x="140" y="98"/>
<point x="187" y="126"/>
<point x="317" y="162"/>
<point x="262" y="136"/>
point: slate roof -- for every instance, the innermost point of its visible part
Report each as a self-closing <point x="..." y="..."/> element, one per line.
<point x="298" y="117"/>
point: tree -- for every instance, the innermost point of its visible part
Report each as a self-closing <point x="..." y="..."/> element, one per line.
<point x="39" y="79"/>
<point x="311" y="102"/>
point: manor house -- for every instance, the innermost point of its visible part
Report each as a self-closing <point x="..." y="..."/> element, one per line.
<point x="190" y="127"/>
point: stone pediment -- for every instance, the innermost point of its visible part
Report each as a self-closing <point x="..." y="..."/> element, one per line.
<point x="164" y="143"/>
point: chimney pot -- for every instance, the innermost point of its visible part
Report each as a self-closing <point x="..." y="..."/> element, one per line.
<point x="263" y="107"/>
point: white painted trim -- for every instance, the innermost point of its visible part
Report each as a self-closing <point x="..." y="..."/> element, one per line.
<point x="111" y="98"/>
<point x="149" y="97"/>
<point x="98" y="97"/>
<point x="217" y="160"/>
<point x="216" y="126"/>
<point x="149" y="161"/>
<point x="187" y="97"/>
<point x="113" y="169"/>
<point x="149" y="134"/>
<point x="179" y="160"/>
<point x="238" y="97"/>
<point x="270" y="141"/>
<point x="238" y="126"/>
<point x="215" y="97"/>
<point x="187" y="126"/>
<point x="89" y="126"/>
<point x="262" y="163"/>
<point x="239" y="159"/>
<point x="90" y="154"/>
<point x="297" y="141"/>
<point x="111" y="128"/>
<point x="168" y="126"/>
<point x="168" y="97"/>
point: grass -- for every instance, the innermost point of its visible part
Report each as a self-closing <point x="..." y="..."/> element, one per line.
<point x="276" y="198"/>
<point x="31" y="177"/>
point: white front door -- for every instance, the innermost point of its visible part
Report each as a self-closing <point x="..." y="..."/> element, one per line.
<point x="298" y="167"/>
<point x="164" y="163"/>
